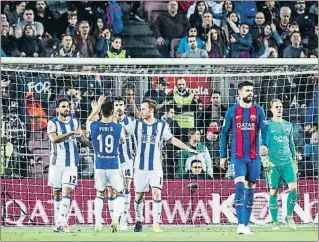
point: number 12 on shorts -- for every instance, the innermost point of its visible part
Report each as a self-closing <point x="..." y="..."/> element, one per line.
<point x="72" y="180"/>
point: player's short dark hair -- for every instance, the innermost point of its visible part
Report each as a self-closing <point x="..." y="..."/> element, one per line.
<point x="215" y="92"/>
<point x="119" y="99"/>
<point x="61" y="100"/>
<point x="107" y="108"/>
<point x="151" y="103"/>
<point x="245" y="84"/>
<point x="192" y="131"/>
<point x="196" y="161"/>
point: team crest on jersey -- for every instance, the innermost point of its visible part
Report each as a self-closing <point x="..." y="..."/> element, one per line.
<point x="253" y="117"/>
<point x="265" y="122"/>
<point x="286" y="130"/>
<point x="153" y="139"/>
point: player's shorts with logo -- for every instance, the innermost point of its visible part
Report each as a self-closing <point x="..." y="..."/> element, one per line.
<point x="62" y="175"/>
<point x="127" y="169"/>
<point x="109" y="178"/>
<point x="248" y="168"/>
<point x="281" y="173"/>
<point x="143" y="180"/>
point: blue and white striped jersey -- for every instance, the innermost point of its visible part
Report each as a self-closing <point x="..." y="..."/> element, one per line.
<point x="65" y="153"/>
<point x="126" y="149"/>
<point x="148" y="142"/>
<point x="106" y="139"/>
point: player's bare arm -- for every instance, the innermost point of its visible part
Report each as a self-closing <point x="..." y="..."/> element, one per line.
<point x="96" y="107"/>
<point x="54" y="138"/>
<point x="183" y="146"/>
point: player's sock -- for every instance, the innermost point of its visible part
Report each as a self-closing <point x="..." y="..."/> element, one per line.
<point x="127" y="204"/>
<point x="138" y="207"/>
<point x="273" y="206"/>
<point x="248" y="204"/>
<point x="57" y="201"/>
<point x="291" y="202"/>
<point x="157" y="211"/>
<point x="239" y="201"/>
<point x="98" y="208"/>
<point x="112" y="207"/>
<point x="120" y="205"/>
<point x="64" y="208"/>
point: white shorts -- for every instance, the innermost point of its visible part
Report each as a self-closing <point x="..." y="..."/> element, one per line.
<point x="143" y="180"/>
<point x="62" y="176"/>
<point x="109" y="178"/>
<point x="127" y="169"/>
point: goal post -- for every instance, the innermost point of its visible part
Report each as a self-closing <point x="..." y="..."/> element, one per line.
<point x="30" y="87"/>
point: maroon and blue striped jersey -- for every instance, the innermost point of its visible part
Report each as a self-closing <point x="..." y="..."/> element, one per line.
<point x="245" y="124"/>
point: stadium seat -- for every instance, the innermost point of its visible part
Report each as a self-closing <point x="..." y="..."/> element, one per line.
<point x="174" y="45"/>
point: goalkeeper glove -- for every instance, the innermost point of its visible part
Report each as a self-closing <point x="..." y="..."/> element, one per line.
<point x="267" y="164"/>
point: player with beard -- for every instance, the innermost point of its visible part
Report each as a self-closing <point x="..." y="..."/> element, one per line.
<point x="63" y="132"/>
<point x="246" y="120"/>
<point x="126" y="156"/>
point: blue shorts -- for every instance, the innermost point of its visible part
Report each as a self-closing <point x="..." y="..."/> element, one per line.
<point x="250" y="169"/>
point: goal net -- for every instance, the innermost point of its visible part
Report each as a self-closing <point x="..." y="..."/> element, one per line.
<point x="195" y="192"/>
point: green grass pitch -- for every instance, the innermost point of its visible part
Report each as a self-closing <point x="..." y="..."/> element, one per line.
<point x="211" y="233"/>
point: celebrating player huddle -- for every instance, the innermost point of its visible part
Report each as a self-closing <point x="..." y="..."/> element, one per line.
<point x="129" y="149"/>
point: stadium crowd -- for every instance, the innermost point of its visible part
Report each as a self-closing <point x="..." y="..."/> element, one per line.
<point x="187" y="29"/>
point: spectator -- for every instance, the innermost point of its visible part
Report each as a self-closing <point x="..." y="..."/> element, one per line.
<point x="72" y="29"/>
<point x="295" y="50"/>
<point x="131" y="107"/>
<point x="168" y="26"/>
<point x="215" y="45"/>
<point x="115" y="20"/>
<point x="183" y="45"/>
<point x="270" y="52"/>
<point x="4" y="17"/>
<point x="187" y="7"/>
<point x="185" y="105"/>
<point x="3" y="54"/>
<point x="232" y="23"/>
<point x="116" y="50"/>
<point x="159" y="95"/>
<point x="303" y="19"/>
<point x="270" y="12"/>
<point x="15" y="16"/>
<point x="84" y="42"/>
<point x="293" y="26"/>
<point x="258" y="27"/>
<point x="186" y="157"/>
<point x="312" y="54"/>
<point x="311" y="151"/>
<point x="313" y="40"/>
<point x="45" y="16"/>
<point x="216" y="9"/>
<point x="314" y="10"/>
<point x="312" y="109"/>
<point x="134" y="16"/>
<point x="195" y="171"/>
<point x="228" y="7"/>
<point x="98" y="28"/>
<point x="104" y="43"/>
<point x="194" y="52"/>
<point x="29" y="44"/>
<point x="207" y="25"/>
<point x="216" y="111"/>
<point x="241" y="43"/>
<point x="246" y="10"/>
<point x="195" y="19"/>
<point x="8" y="42"/>
<point x="67" y="49"/>
<point x="283" y="24"/>
<point x="171" y="150"/>
<point x="28" y="18"/>
<point x="269" y="38"/>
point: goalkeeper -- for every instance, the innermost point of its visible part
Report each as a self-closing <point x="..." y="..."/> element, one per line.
<point x="281" y="165"/>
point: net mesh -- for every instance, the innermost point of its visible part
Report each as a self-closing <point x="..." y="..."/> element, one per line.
<point x="29" y="93"/>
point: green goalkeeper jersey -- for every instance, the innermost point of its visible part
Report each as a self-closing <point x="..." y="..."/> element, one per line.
<point x="281" y="146"/>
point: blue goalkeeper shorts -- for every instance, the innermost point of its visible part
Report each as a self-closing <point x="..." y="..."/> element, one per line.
<point x="250" y="169"/>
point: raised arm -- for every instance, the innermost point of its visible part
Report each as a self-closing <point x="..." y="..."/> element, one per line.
<point x="96" y="107"/>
